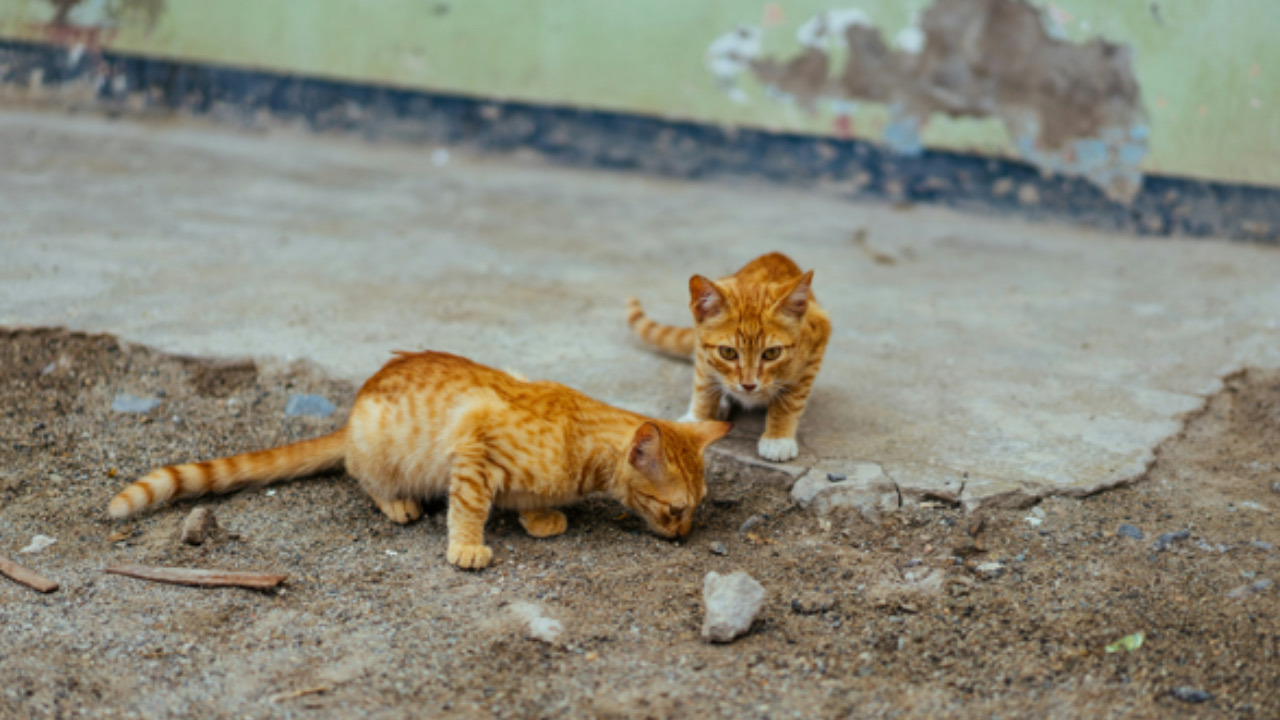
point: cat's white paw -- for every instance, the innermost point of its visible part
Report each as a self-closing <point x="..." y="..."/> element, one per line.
<point x="778" y="449"/>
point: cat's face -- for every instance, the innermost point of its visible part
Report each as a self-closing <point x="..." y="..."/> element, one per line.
<point x="747" y="336"/>
<point x="664" y="473"/>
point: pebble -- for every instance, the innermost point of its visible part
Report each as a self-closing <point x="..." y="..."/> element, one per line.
<point x="1256" y="586"/>
<point x="199" y="526"/>
<point x="718" y="548"/>
<point x="126" y="403"/>
<point x="1166" y="539"/>
<point x="1191" y="695"/>
<point x="990" y="570"/>
<point x="537" y="625"/>
<point x="309" y="405"/>
<point x="1261" y="545"/>
<point x="813" y="603"/>
<point x="835" y="477"/>
<point x="1129" y="531"/>
<point x="732" y="602"/>
<point x="1275" y="486"/>
<point x="38" y="543"/>
<point x="750" y="523"/>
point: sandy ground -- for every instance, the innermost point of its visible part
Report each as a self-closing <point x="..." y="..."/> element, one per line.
<point x="884" y="616"/>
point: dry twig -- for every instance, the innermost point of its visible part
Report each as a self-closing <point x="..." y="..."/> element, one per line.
<point x="27" y="577"/>
<point x="200" y="578"/>
<point x="292" y="694"/>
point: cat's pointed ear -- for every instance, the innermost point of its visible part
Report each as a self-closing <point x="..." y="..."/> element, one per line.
<point x="646" y="451"/>
<point x="794" y="300"/>
<point x="710" y="431"/>
<point x="705" y="299"/>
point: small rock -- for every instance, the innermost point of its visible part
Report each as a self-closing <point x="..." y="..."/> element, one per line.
<point x="836" y="477"/>
<point x="1275" y="486"/>
<point x="199" y="526"/>
<point x="718" y="548"/>
<point x="1190" y="694"/>
<point x="990" y="570"/>
<point x="732" y="602"/>
<point x="1129" y="531"/>
<point x="813" y="603"/>
<point x="1028" y="194"/>
<point x="1165" y="540"/>
<point x="537" y="625"/>
<point x="309" y="405"/>
<point x="1256" y="586"/>
<point x="126" y="403"/>
<point x="1251" y="505"/>
<point x="1261" y="545"/>
<point x="38" y="543"/>
<point x="750" y="524"/>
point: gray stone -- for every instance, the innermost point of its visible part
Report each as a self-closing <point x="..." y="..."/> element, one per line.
<point x="750" y="524"/>
<point x="860" y="485"/>
<point x="1261" y="545"/>
<point x="1166" y="540"/>
<point x="309" y="405"/>
<point x="732" y="602"/>
<point x="126" y="403"/>
<point x="1256" y="586"/>
<point x="1275" y="486"/>
<point x="1191" y="695"/>
<point x="199" y="526"/>
<point x="1129" y="531"/>
<point x="718" y="548"/>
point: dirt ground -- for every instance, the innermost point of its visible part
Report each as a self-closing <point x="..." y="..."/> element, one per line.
<point x="880" y="617"/>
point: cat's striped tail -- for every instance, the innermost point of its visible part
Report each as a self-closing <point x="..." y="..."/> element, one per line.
<point x="668" y="338"/>
<point x="227" y="474"/>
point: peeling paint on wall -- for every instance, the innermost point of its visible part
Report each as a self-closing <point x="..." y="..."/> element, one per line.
<point x="1070" y="109"/>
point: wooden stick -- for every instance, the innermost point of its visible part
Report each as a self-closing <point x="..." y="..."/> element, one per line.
<point x="292" y="694"/>
<point x="27" y="577"/>
<point x="200" y="578"/>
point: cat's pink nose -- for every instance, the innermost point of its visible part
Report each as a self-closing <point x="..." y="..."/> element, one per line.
<point x="748" y="387"/>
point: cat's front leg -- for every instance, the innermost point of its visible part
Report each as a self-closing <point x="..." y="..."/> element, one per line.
<point x="470" y="498"/>
<point x="543" y="523"/>
<point x="779" y="440"/>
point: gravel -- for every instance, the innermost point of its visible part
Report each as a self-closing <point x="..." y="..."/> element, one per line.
<point x="1129" y="531"/>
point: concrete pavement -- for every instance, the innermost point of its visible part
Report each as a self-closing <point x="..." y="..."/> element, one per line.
<point x="974" y="359"/>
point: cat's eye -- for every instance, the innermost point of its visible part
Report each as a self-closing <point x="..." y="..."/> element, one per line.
<point x="728" y="353"/>
<point x="772" y="353"/>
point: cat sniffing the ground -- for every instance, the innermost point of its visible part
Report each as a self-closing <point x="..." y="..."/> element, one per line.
<point x="431" y="424"/>
<point x="757" y="341"/>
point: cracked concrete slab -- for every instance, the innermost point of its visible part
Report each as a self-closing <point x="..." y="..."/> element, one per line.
<point x="974" y="359"/>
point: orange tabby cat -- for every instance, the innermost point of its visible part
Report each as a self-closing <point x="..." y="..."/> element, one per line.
<point x="757" y="340"/>
<point x="432" y="423"/>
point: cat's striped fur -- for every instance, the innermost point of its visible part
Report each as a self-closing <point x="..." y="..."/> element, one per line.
<point x="437" y="424"/>
<point x="758" y="340"/>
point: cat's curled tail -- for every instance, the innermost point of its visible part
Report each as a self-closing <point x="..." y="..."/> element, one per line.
<point x="227" y="474"/>
<point x="668" y="338"/>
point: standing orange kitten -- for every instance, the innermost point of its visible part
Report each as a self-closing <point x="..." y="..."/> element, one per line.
<point x="757" y="340"/>
<point x="432" y="423"/>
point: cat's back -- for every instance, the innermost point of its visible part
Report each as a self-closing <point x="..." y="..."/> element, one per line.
<point x="773" y="267"/>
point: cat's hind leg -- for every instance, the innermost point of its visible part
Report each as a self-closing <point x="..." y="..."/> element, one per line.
<point x="543" y="523"/>
<point x="400" y="511"/>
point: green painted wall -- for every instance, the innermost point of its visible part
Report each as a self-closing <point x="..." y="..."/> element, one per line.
<point x="1209" y="72"/>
